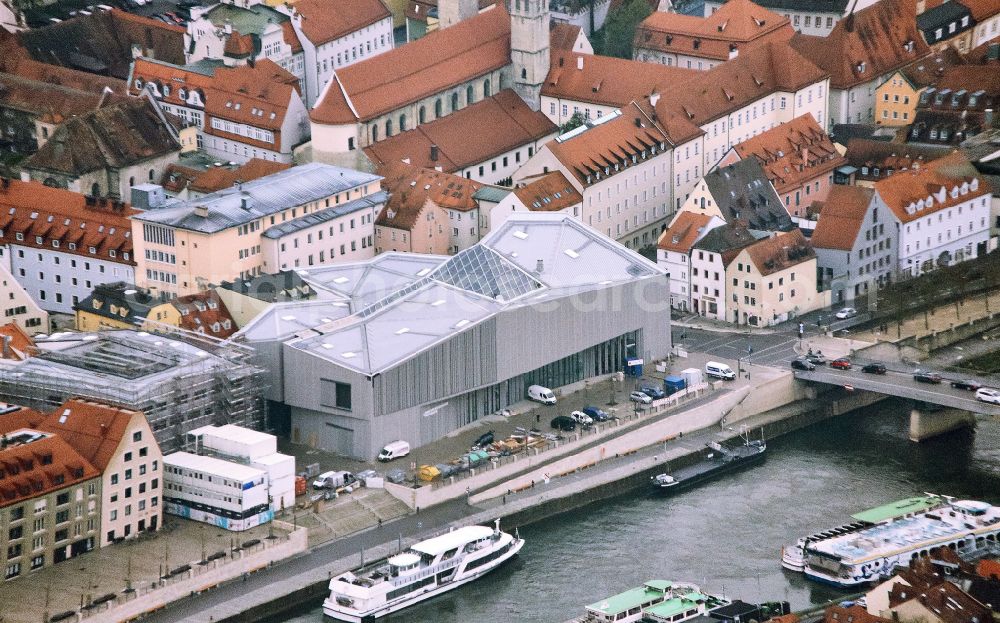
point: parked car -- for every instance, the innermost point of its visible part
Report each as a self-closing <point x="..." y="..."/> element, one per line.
<point x="847" y="312"/>
<point x="397" y="476"/>
<point x="841" y="364"/>
<point x="653" y="392"/>
<point x="563" y="423"/>
<point x="803" y="364"/>
<point x="873" y="368"/>
<point x="816" y="358"/>
<point x="581" y="418"/>
<point x="640" y="397"/>
<point x="927" y="377"/>
<point x="484" y="440"/>
<point x="967" y="384"/>
<point x="987" y="394"/>
<point x="598" y="415"/>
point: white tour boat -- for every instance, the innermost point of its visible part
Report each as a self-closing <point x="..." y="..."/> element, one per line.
<point x="872" y="554"/>
<point x="793" y="557"/>
<point x="656" y="600"/>
<point x="427" y="569"/>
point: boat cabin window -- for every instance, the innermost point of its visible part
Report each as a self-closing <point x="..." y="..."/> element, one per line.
<point x="449" y="554"/>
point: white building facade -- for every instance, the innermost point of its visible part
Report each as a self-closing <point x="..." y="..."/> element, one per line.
<point x="222" y="493"/>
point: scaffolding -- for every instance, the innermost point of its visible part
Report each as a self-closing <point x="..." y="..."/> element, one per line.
<point x="178" y="383"/>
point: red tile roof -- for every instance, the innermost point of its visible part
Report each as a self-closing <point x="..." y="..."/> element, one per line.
<point x="238" y="46"/>
<point x="981" y="9"/>
<point x="988" y="569"/>
<point x="205" y="313"/>
<point x="607" y="148"/>
<point x="290" y="36"/>
<point x="419" y="69"/>
<point x="907" y="188"/>
<point x="683" y="232"/>
<point x="793" y="153"/>
<point x="735" y="26"/>
<point x="40" y="467"/>
<point x="760" y="71"/>
<point x="93" y="429"/>
<point x="780" y="252"/>
<point x="20" y="345"/>
<point x="472" y="135"/>
<point x="62" y="76"/>
<point x="218" y="178"/>
<point x="841" y="217"/>
<point x="50" y="102"/>
<point x="866" y="45"/>
<point x="853" y="614"/>
<point x="947" y="602"/>
<point x="607" y="80"/>
<point x="410" y="188"/>
<point x="548" y="192"/>
<point x="563" y="36"/>
<point x="76" y="222"/>
<point x="258" y="96"/>
<point x="928" y="70"/>
<point x="326" y="20"/>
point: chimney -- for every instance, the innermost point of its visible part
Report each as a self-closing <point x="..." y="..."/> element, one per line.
<point x="245" y="204"/>
<point x="406" y="161"/>
<point x="434" y="152"/>
<point x="201" y="211"/>
<point x="439" y="168"/>
<point x="579" y="63"/>
<point x="228" y="27"/>
<point x="987" y="120"/>
<point x="653" y="98"/>
<point x="539" y="267"/>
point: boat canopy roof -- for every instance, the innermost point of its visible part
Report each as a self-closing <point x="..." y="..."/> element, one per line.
<point x="632" y="598"/>
<point x="898" y="509"/>
<point x="451" y="540"/>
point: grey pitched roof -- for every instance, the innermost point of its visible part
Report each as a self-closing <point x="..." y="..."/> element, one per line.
<point x="941" y="15"/>
<point x="492" y="194"/>
<point x="261" y="197"/>
<point x="124" y="296"/>
<point x="310" y="220"/>
<point x="727" y="238"/>
<point x="743" y="193"/>
<point x="818" y="6"/>
<point x="285" y="285"/>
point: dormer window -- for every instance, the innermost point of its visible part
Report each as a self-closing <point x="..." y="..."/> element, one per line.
<point x="861" y="67"/>
<point x="697" y="43"/>
<point x="669" y="39"/>
<point x="138" y="83"/>
<point x="908" y="46"/>
<point x="182" y="93"/>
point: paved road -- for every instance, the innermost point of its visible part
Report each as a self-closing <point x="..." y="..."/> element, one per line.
<point x="903" y="385"/>
<point x="772" y="349"/>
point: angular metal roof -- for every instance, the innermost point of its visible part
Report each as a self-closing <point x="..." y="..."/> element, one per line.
<point x="328" y="214"/>
<point x="531" y="256"/>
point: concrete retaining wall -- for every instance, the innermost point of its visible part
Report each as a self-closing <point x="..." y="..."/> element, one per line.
<point x="533" y="464"/>
<point x="203" y="578"/>
<point x="947" y="337"/>
<point x="769" y="395"/>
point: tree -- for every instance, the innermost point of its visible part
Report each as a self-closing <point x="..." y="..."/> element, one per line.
<point x="574" y="122"/>
<point x="615" y="38"/>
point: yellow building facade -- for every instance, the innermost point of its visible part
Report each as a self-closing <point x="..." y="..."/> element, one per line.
<point x="896" y="101"/>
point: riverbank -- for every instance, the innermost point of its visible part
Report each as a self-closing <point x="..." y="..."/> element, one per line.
<point x="613" y="477"/>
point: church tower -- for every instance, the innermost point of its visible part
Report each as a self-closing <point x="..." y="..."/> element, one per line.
<point x="529" y="48"/>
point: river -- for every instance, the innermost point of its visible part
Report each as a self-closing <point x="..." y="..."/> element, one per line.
<point x="727" y="534"/>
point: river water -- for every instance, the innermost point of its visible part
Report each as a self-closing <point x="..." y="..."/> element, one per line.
<point x="727" y="534"/>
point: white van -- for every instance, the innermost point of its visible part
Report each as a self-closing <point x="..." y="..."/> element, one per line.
<point x="394" y="450"/>
<point x="719" y="371"/>
<point x="541" y="394"/>
<point x="334" y="480"/>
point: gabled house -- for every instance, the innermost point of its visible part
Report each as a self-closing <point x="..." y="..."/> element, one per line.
<point x="869" y="160"/>
<point x="673" y="252"/>
<point x="428" y="211"/>
<point x="740" y="192"/>
<point x="855" y="242"/>
<point x="240" y="113"/>
<point x="107" y="151"/>
<point x="711" y="256"/>
<point x="772" y="280"/>
<point x="947" y="24"/>
<point x="676" y="39"/>
<point x="204" y="313"/>
<point x="798" y="158"/>
<point x="546" y="192"/>
<point x="896" y="98"/>
<point x="117" y="305"/>
<point x="861" y="51"/>
<point x="961" y="104"/>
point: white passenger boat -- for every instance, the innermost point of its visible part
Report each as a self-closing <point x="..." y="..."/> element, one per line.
<point x="869" y="555"/>
<point x="793" y="556"/>
<point x="427" y="569"/>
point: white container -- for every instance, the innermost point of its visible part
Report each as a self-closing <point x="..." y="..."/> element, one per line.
<point x="692" y="376"/>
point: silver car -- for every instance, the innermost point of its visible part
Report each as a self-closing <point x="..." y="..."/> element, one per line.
<point x="640" y="397"/>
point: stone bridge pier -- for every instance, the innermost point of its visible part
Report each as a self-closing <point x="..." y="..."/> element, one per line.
<point x="929" y="420"/>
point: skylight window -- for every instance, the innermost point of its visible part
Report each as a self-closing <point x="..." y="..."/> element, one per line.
<point x="521" y="235"/>
<point x="461" y="323"/>
<point x="348" y="355"/>
<point x="437" y="303"/>
<point x="423" y="271"/>
<point x="403" y="331"/>
<point x="327" y="345"/>
<point x="288" y="318"/>
<point x="573" y="254"/>
<point x="341" y="280"/>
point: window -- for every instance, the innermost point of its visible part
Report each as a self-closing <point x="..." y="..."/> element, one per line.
<point x="335" y="394"/>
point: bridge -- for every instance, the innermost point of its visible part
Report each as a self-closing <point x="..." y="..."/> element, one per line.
<point x="938" y="408"/>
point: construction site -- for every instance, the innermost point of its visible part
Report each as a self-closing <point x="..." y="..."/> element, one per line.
<point x="179" y="384"/>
